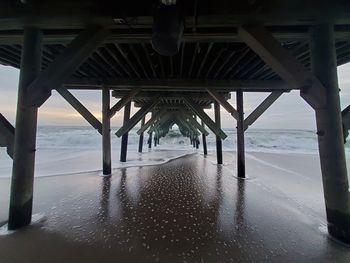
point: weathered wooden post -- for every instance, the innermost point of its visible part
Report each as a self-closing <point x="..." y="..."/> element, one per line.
<point x="150" y="141"/>
<point x="204" y="141"/>
<point x="240" y="135"/>
<point x="124" y="146"/>
<point x="218" y="139"/>
<point x="106" y="132"/>
<point x="330" y="134"/>
<point x="141" y="135"/>
<point x="21" y="200"/>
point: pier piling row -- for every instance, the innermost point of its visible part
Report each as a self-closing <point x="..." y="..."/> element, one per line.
<point x="230" y="51"/>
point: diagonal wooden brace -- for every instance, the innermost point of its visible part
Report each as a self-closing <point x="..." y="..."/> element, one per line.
<point x="284" y="64"/>
<point x="205" y="118"/>
<point x="123" y="101"/>
<point x="137" y="116"/>
<point x="224" y="103"/>
<point x="7" y="135"/>
<point x="261" y="108"/>
<point x="65" y="64"/>
<point x="162" y="120"/>
<point x="81" y="109"/>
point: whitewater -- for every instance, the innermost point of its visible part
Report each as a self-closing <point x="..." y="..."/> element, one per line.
<point x="65" y="150"/>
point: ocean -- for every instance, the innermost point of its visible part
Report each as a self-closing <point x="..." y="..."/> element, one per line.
<point x="63" y="149"/>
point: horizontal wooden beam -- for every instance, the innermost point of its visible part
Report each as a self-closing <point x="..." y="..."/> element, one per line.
<point x="261" y="109"/>
<point x="123" y="101"/>
<point x="7" y="135"/>
<point x="65" y="64"/>
<point x="137" y="117"/>
<point x="205" y="118"/>
<point x="284" y="64"/>
<point x="84" y="112"/>
<point x="223" y="102"/>
<point x="188" y="85"/>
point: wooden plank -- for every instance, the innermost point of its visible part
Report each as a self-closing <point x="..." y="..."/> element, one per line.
<point x="207" y="120"/>
<point x="123" y="101"/>
<point x="65" y="64"/>
<point x="223" y="102"/>
<point x="129" y="124"/>
<point x="284" y="64"/>
<point x="261" y="108"/>
<point x="84" y="112"/>
<point x="7" y="135"/>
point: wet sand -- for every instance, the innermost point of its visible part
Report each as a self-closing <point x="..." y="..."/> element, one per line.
<point x="187" y="210"/>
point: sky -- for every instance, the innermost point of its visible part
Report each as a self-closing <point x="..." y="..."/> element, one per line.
<point x="290" y="111"/>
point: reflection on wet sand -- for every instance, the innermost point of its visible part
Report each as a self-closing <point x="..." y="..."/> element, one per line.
<point x="187" y="210"/>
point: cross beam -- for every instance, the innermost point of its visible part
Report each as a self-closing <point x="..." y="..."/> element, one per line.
<point x="207" y="120"/>
<point x="284" y="64"/>
<point x="137" y="117"/>
<point x="178" y="84"/>
<point x="65" y="64"/>
<point x="76" y="104"/>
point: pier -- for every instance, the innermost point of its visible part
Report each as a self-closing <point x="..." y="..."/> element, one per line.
<point x="212" y="50"/>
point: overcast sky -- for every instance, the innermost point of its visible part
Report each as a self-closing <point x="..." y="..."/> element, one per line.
<point x="290" y="111"/>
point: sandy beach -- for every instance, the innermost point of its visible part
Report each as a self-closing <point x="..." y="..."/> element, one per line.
<point x="186" y="210"/>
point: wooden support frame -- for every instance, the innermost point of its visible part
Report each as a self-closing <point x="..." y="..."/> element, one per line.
<point x="207" y="120"/>
<point x="155" y="116"/>
<point x="224" y="103"/>
<point x="129" y="124"/>
<point x="76" y="104"/>
<point x="163" y="119"/>
<point x="284" y="64"/>
<point x="123" y="101"/>
<point x="261" y="108"/>
<point x="7" y="135"/>
<point x="240" y="136"/>
<point x="65" y="64"/>
<point x="193" y="121"/>
<point x="204" y="141"/>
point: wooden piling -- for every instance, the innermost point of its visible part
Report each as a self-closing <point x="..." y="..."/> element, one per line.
<point x="204" y="141"/>
<point x="330" y="134"/>
<point x="124" y="146"/>
<point x="218" y="139"/>
<point x="141" y="135"/>
<point x="240" y="135"/>
<point x="21" y="200"/>
<point x="106" y="132"/>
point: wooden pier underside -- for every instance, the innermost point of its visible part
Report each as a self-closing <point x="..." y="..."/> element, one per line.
<point x="268" y="46"/>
